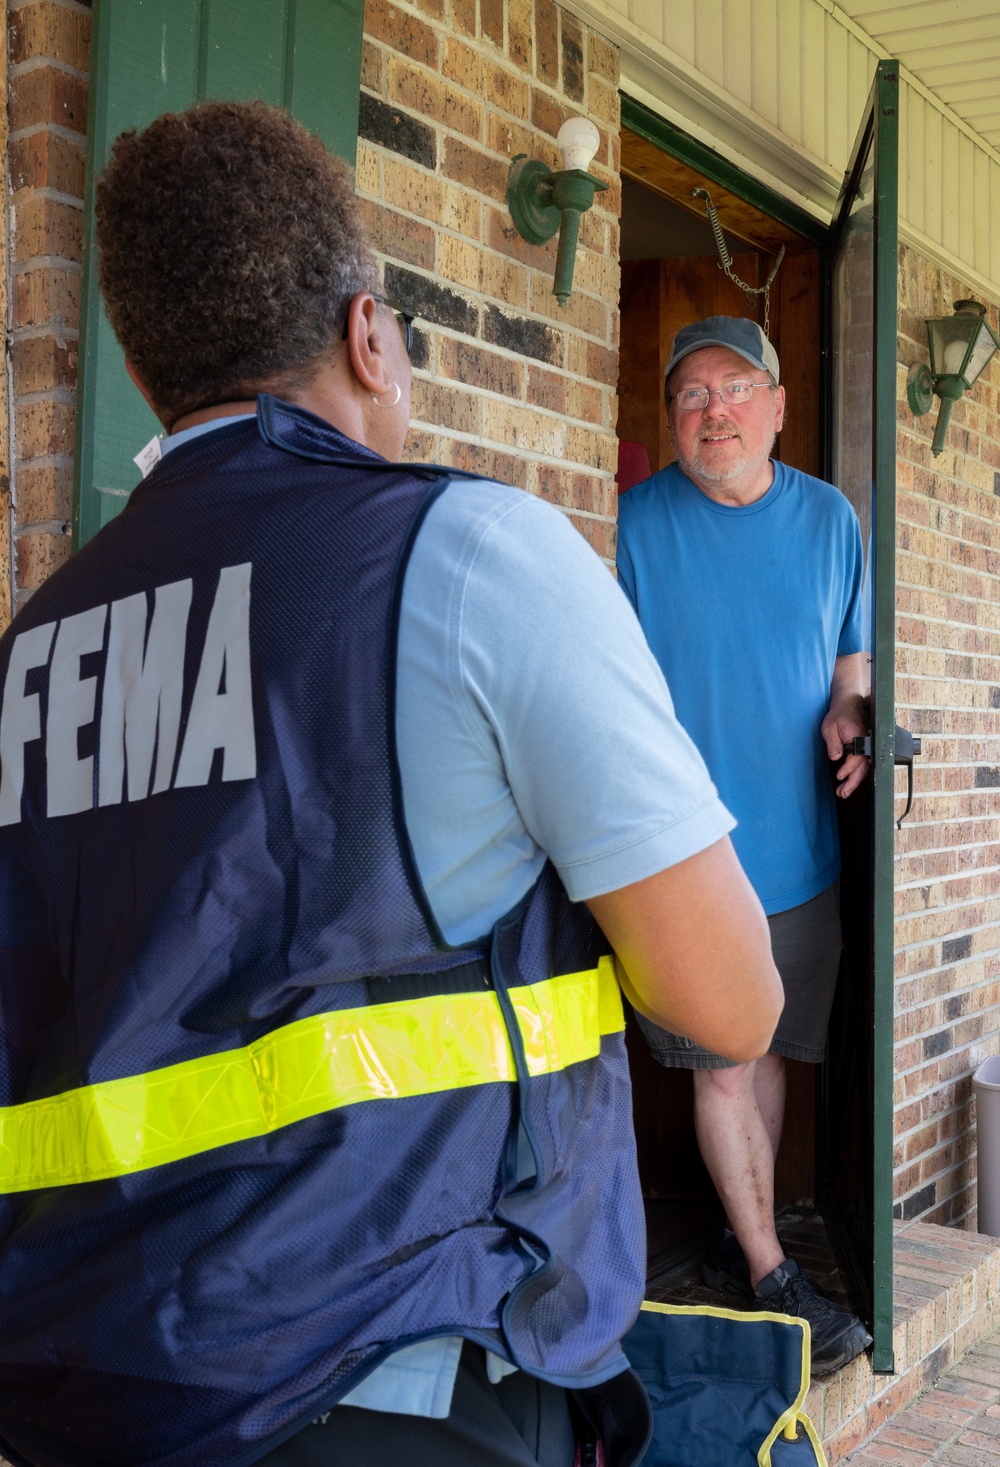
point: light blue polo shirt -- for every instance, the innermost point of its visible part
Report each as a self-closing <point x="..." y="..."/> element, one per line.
<point x="532" y="721"/>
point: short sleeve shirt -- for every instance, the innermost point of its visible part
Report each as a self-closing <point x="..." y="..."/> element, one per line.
<point x="533" y="720"/>
<point x="747" y="609"/>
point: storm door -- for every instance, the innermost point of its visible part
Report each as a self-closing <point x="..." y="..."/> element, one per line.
<point x="856" y="1096"/>
<point x="154" y="56"/>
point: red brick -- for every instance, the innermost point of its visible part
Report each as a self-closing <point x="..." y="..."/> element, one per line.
<point x="474" y="366"/>
<point x="479" y="171"/>
<point x="405" y="34"/>
<point x="47" y="160"/>
<point x="600" y="535"/>
<point x="44" y="493"/>
<point x="546" y="390"/>
<point x="546" y="113"/>
<point x="50" y="30"/>
<point x="491" y="20"/>
<point x="506" y="90"/>
<point x="602" y="364"/>
<point x="43" y="362"/>
<point x="463" y="16"/>
<point x="502" y="235"/>
<point x="520" y="47"/>
<point x="46" y="227"/>
<point x="420" y="446"/>
<point x="372" y="67"/>
<point x="572" y="57"/>
<point x="463" y="65"/>
<point x="602" y="59"/>
<point x="428" y="93"/>
<point x="547" y="42"/>
<point x="444" y="407"/>
<point x="49" y="295"/>
<point x="43" y="428"/>
<point x="479" y="458"/>
<point x="48" y="94"/>
<point x="404" y="239"/>
<point x="36" y="556"/>
<point x="574" y="490"/>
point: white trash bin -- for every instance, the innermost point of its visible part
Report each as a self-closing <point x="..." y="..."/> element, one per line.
<point x="986" y="1081"/>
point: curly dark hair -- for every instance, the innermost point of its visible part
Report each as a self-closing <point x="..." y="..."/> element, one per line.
<point x="231" y="245"/>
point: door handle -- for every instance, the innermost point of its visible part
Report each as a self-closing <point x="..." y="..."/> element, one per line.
<point x="905" y="748"/>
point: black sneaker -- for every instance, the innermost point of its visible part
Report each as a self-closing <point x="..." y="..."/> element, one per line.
<point x="837" y="1336"/>
<point x="725" y="1268"/>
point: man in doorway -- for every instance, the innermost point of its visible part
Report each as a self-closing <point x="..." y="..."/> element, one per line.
<point x="746" y="576"/>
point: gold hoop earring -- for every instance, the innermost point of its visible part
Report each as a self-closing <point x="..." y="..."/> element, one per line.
<point x="394" y="387"/>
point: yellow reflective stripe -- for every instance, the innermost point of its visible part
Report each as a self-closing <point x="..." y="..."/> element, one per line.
<point x="387" y="1051"/>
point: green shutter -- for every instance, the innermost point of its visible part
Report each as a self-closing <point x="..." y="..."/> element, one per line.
<point x="153" y="56"/>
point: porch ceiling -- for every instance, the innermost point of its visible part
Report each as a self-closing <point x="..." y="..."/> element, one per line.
<point x="952" y="46"/>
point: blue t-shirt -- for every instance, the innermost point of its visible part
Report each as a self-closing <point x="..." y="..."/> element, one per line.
<point x="746" y="609"/>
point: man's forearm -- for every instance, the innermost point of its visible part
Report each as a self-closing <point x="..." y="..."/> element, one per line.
<point x="849" y="684"/>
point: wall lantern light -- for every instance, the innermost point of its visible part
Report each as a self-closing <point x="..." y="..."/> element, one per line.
<point x="960" y="347"/>
<point x="541" y="201"/>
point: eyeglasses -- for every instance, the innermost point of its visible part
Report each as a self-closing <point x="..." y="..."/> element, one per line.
<point x="696" y="399"/>
<point x="404" y="318"/>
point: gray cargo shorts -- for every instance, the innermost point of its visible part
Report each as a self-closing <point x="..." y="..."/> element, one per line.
<point x="805" y="944"/>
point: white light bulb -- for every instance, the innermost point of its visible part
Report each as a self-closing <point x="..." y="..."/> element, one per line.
<point x="954" y="354"/>
<point x="578" y="140"/>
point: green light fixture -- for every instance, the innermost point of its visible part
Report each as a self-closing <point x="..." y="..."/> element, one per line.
<point x="542" y="202"/>
<point x="960" y="347"/>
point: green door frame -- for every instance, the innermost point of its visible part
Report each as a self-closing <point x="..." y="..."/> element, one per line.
<point x="148" y="57"/>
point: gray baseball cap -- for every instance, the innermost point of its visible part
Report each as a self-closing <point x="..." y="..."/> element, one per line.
<point x="740" y="335"/>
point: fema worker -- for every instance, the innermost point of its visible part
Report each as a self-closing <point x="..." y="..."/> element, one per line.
<point x="317" y="1138"/>
<point x="746" y="576"/>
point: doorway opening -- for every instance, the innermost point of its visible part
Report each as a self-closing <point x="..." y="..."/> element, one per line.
<point x="671" y="275"/>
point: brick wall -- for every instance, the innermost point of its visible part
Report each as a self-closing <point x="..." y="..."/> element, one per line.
<point x="948" y="691"/>
<point x="507" y="383"/>
<point x="48" y="51"/>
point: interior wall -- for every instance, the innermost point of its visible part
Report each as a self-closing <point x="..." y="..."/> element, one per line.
<point x="663" y="293"/>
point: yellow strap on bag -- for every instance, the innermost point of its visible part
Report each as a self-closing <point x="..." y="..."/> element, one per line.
<point x="383" y="1052"/>
<point x="794" y="1421"/>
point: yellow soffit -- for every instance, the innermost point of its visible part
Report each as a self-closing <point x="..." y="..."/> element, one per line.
<point x="674" y="89"/>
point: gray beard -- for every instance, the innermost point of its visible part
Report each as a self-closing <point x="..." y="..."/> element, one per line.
<point x="702" y="476"/>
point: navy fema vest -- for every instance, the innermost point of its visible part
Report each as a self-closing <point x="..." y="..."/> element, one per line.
<point x="258" y="1124"/>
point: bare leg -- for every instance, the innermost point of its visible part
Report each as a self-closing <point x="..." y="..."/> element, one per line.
<point x="736" y="1146"/>
<point x="769" y="1088"/>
